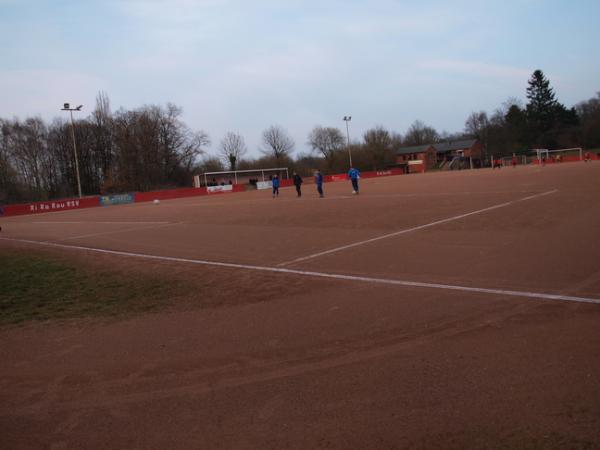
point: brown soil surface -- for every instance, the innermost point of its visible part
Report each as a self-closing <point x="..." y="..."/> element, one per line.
<point x="267" y="360"/>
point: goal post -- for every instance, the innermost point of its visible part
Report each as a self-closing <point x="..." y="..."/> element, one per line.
<point x="567" y="154"/>
<point x="238" y="176"/>
<point x="515" y="160"/>
<point x="558" y="155"/>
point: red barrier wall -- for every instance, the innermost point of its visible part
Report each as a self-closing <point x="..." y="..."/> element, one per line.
<point x="235" y="188"/>
<point x="593" y="156"/>
<point x="368" y="174"/>
<point x="338" y="177"/>
<point x="382" y="173"/>
<point x="181" y="193"/>
<point x="168" y="194"/>
<point x="50" y="206"/>
<point x="90" y="202"/>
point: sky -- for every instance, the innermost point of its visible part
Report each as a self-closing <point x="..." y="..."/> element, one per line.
<point x="243" y="66"/>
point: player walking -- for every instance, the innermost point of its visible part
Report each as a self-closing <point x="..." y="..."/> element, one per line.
<point x="319" y="182"/>
<point x="298" y="184"/>
<point x="354" y="176"/>
<point x="275" y="183"/>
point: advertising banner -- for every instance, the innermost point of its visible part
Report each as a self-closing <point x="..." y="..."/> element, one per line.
<point x="217" y="189"/>
<point x="121" y="199"/>
<point x="263" y="185"/>
<point x="49" y="206"/>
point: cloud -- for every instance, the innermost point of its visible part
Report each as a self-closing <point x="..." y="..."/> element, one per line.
<point x="42" y="92"/>
<point x="476" y="69"/>
<point x="306" y="63"/>
<point x="177" y="11"/>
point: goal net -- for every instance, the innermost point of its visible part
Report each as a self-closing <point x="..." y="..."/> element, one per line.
<point x="254" y="177"/>
<point x="516" y="160"/>
<point x="558" y="155"/>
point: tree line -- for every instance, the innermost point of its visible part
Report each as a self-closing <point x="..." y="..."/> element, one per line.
<point x="152" y="148"/>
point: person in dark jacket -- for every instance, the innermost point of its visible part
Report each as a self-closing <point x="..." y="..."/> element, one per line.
<point x="298" y="183"/>
<point x="319" y="182"/>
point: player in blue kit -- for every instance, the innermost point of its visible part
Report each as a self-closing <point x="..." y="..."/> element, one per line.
<point x="354" y="175"/>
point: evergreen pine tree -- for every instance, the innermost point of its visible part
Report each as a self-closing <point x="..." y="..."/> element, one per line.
<point x="542" y="104"/>
<point x="549" y="122"/>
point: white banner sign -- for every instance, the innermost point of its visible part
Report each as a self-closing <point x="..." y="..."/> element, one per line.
<point x="214" y="189"/>
<point x="263" y="185"/>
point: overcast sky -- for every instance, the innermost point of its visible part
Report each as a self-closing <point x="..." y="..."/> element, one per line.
<point x="237" y="65"/>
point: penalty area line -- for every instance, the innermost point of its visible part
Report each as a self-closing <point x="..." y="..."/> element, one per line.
<point x="124" y="230"/>
<point x="325" y="275"/>
<point x="48" y="222"/>
<point x="417" y="228"/>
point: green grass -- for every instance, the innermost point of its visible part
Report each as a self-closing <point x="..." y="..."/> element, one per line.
<point x="43" y="287"/>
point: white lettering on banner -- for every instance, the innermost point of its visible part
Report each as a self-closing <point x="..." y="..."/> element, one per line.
<point x="53" y="206"/>
<point x="384" y="172"/>
<point x="415" y="162"/>
<point x="263" y="185"/>
<point x="213" y="189"/>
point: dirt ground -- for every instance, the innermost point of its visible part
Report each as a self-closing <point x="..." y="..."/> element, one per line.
<point x="262" y="359"/>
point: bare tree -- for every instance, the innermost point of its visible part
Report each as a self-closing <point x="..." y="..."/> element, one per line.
<point x="27" y="143"/>
<point x="210" y="164"/>
<point x="328" y="141"/>
<point x="154" y="148"/>
<point x="379" y="145"/>
<point x="476" y="123"/>
<point x="232" y="149"/>
<point x="181" y="146"/>
<point x="277" y="142"/>
<point x="9" y="184"/>
<point x="478" y="126"/>
<point x="419" y="134"/>
<point x="103" y="149"/>
<point x="589" y="111"/>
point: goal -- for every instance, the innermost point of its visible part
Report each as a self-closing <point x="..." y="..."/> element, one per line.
<point x="520" y="160"/>
<point x="558" y="155"/>
<point x="252" y="177"/>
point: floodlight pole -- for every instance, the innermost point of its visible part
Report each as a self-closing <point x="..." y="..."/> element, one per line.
<point x="348" y="119"/>
<point x="66" y="107"/>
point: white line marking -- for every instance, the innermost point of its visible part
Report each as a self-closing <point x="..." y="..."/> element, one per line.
<point x="410" y="230"/>
<point x="103" y="223"/>
<point x="103" y="233"/>
<point x="309" y="196"/>
<point x="386" y="281"/>
<point x="443" y="194"/>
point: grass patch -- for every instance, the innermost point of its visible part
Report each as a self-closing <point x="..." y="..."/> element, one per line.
<point x="43" y="287"/>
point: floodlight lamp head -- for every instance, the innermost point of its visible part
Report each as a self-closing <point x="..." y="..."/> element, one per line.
<point x="66" y="105"/>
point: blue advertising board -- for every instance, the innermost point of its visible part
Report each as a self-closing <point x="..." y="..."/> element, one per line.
<point x="120" y="199"/>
